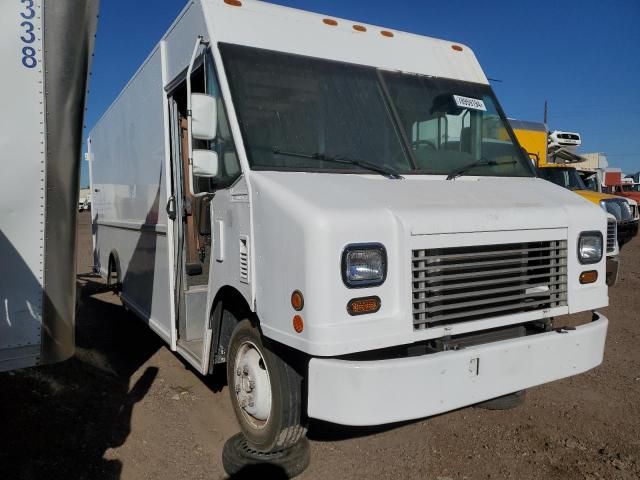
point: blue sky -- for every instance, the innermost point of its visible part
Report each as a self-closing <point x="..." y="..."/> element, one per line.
<point x="580" y="55"/>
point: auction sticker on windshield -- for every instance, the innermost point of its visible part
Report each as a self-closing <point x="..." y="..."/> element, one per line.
<point x="471" y="103"/>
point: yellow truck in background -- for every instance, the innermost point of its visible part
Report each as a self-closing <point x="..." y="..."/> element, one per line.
<point x="554" y="155"/>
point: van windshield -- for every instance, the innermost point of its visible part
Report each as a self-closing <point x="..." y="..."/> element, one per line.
<point x="299" y="113"/>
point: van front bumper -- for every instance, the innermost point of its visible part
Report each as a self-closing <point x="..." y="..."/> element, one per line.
<point x="376" y="392"/>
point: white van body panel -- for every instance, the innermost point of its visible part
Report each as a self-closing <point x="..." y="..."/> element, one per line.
<point x="129" y="184"/>
<point x="320" y="214"/>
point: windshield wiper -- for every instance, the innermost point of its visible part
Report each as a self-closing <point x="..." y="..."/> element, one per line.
<point x="387" y="172"/>
<point x="479" y="163"/>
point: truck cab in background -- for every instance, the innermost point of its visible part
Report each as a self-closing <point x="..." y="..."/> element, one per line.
<point x="556" y="159"/>
<point x="615" y="184"/>
<point x="625" y="213"/>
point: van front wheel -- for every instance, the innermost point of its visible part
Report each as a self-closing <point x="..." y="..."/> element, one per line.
<point x="265" y="390"/>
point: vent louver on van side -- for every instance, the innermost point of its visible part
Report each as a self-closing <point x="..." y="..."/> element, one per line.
<point x="245" y="264"/>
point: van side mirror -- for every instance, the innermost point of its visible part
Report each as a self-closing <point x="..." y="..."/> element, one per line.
<point x="204" y="117"/>
<point x="205" y="163"/>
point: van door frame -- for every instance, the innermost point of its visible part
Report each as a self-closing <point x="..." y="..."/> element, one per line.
<point x="171" y="265"/>
<point x="176" y="231"/>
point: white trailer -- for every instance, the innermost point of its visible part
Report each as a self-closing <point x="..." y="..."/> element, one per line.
<point x="45" y="50"/>
<point x="333" y="210"/>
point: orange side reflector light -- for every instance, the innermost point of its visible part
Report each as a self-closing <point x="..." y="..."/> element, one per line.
<point x="457" y="48"/>
<point x="297" y="300"/>
<point x="588" y="277"/>
<point x="363" y="306"/>
<point x="387" y="33"/>
<point x="360" y="28"/>
<point x="233" y="3"/>
<point x="298" y="324"/>
<point x="330" y="21"/>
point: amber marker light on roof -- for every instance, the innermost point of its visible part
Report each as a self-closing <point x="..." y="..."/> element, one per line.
<point x="233" y="3"/>
<point x="387" y="33"/>
<point x="330" y="21"/>
<point x="457" y="48"/>
<point x="360" y="28"/>
<point x="588" y="277"/>
<point x="298" y="324"/>
<point x="297" y="300"/>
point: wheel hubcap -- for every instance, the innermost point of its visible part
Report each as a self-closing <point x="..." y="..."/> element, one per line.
<point x="251" y="384"/>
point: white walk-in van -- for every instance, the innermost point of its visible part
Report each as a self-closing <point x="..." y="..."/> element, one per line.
<point x="45" y="52"/>
<point x="341" y="214"/>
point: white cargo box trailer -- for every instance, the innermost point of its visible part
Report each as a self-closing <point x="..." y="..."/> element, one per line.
<point x="341" y="214"/>
<point x="45" y="51"/>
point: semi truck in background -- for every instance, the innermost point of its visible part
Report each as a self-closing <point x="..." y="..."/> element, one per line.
<point x="557" y="160"/>
<point x="615" y="184"/>
<point x="635" y="180"/>
<point x="342" y="215"/>
<point x="593" y="172"/>
<point x="45" y="55"/>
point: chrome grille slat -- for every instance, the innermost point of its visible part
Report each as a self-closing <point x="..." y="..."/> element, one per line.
<point x="481" y="274"/>
<point x="457" y="266"/>
<point x="470" y="283"/>
<point x="454" y="256"/>
<point x="483" y="312"/>
<point x="458" y="286"/>
<point x="480" y="293"/>
<point x="486" y="301"/>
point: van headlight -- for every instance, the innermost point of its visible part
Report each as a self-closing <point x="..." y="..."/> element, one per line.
<point x="364" y="265"/>
<point x="590" y="247"/>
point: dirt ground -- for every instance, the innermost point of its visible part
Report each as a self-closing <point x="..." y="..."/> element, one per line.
<point x="125" y="407"/>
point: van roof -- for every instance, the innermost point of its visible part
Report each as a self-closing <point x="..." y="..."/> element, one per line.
<point x="273" y="27"/>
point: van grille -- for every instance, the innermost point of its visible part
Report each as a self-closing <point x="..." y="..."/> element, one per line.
<point x="611" y="235"/>
<point x="458" y="284"/>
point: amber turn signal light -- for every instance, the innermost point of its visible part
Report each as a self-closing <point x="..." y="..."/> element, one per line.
<point x="297" y="300"/>
<point x="362" y="306"/>
<point x="588" y="277"/>
<point x="298" y="324"/>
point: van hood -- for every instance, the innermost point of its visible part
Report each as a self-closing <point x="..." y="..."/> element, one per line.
<point x="426" y="205"/>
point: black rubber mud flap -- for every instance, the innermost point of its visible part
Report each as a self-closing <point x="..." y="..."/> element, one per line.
<point x="240" y="460"/>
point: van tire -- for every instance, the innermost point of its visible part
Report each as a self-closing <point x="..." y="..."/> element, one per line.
<point x="270" y="417"/>
<point x="506" y="402"/>
<point x="241" y="461"/>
